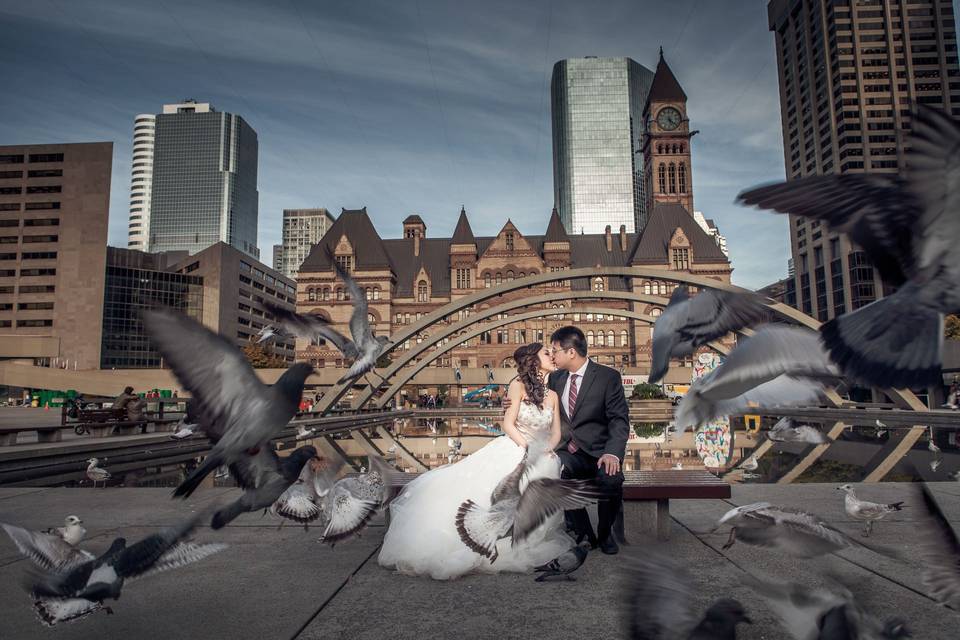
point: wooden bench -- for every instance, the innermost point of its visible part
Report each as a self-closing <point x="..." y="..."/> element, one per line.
<point x="647" y="495"/>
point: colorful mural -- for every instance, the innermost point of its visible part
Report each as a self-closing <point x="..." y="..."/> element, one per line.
<point x="714" y="440"/>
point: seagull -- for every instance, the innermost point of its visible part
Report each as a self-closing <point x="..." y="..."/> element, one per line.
<point x="97" y="579"/>
<point x="97" y="474"/>
<point x="186" y="430"/>
<point x="939" y="553"/>
<point x="658" y="599"/>
<point x="791" y="531"/>
<point x="363" y="347"/>
<point x="677" y="467"/>
<point x="867" y="512"/>
<point x="750" y="464"/>
<point x="269" y="332"/>
<point x="516" y="514"/>
<point x="823" y="614"/>
<point x="352" y="501"/>
<point x="779" y="365"/>
<point x="563" y="565"/>
<point x="72" y="531"/>
<point x="303" y="432"/>
<point x="786" y="431"/>
<point x="908" y="226"/>
<point x="230" y="400"/>
<point x="690" y="322"/>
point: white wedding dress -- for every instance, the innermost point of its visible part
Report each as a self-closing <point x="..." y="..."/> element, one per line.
<point x="422" y="539"/>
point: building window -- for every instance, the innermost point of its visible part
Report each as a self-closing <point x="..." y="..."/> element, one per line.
<point x="610" y="338"/>
<point x="486" y="280"/>
<point x="326" y="294"/>
<point x="463" y="278"/>
<point x="509" y="236"/>
<point x="345" y="262"/>
<point x="672" y="171"/>
<point x="682" y="173"/>
<point x="601" y="340"/>
<point x="590" y="340"/>
<point x="339" y="294"/>
<point x="368" y="293"/>
<point x="46" y="157"/>
<point x="422" y="291"/>
<point x="681" y="259"/>
<point x="662" y="177"/>
<point x="510" y="275"/>
<point x="646" y="288"/>
<point x="312" y="295"/>
<point x="598" y="284"/>
<point x="499" y="278"/>
<point x="624" y="338"/>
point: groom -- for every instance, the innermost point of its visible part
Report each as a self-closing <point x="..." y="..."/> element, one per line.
<point x="595" y="426"/>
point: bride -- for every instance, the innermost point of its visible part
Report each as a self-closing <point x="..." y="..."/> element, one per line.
<point x="422" y="538"/>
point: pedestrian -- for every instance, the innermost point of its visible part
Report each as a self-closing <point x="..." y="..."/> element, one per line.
<point x="130" y="405"/>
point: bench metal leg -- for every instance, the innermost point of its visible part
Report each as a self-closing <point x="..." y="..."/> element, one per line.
<point x="650" y="517"/>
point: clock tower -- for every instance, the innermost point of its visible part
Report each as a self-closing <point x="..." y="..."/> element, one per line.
<point x="666" y="147"/>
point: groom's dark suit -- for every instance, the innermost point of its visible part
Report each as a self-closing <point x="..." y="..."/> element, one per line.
<point x="599" y="425"/>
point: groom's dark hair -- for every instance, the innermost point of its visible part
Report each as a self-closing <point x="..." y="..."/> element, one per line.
<point x="570" y="337"/>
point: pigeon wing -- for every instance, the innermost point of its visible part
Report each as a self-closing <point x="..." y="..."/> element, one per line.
<point x="141" y="557"/>
<point x="299" y="502"/>
<point x="324" y="479"/>
<point x="657" y="597"/>
<point x="714" y="314"/>
<point x="309" y="326"/>
<point x="479" y="528"/>
<point x="348" y="514"/>
<point x="182" y="554"/>
<point x="799" y="608"/>
<point x="546" y="496"/>
<point x="253" y="472"/>
<point x="46" y="550"/>
<point x="52" y="611"/>
<point x="509" y="485"/>
<point x="940" y="554"/>
<point x="359" y="326"/>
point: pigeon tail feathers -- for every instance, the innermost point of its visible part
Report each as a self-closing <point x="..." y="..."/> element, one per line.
<point x="190" y="484"/>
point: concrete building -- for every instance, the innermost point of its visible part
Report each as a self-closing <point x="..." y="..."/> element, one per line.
<point x="141" y="181"/>
<point x="302" y="230"/>
<point x="204" y="181"/>
<point x="849" y="73"/>
<point x="277" y="257"/>
<point x="598" y="129"/>
<point x="54" y="209"/>
<point x="708" y="225"/>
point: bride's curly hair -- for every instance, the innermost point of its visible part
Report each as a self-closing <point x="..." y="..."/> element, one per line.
<point x="528" y="371"/>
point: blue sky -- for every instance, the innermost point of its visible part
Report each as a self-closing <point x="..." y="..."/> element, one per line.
<point x="402" y="107"/>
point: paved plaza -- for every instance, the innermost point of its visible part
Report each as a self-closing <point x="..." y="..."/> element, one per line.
<point x="275" y="583"/>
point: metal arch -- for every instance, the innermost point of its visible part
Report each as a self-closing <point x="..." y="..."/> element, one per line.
<point x="536" y="313"/>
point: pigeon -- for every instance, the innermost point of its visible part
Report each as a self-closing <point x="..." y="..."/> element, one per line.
<point x="909" y="227"/>
<point x="302" y="502"/>
<point x="751" y="476"/>
<point x="791" y="531"/>
<point x="867" y="512"/>
<point x="786" y="431"/>
<point x="352" y="501"/>
<point x="269" y="332"/>
<point x="97" y="474"/>
<point x="824" y="614"/>
<point x="658" y="603"/>
<point x="304" y="433"/>
<point x="232" y="403"/>
<point x="186" y="430"/>
<point x="677" y="467"/>
<point x="690" y="322"/>
<point x="516" y="514"/>
<point x="750" y="464"/>
<point x="98" y="578"/>
<point x="72" y="531"/>
<point x="939" y="553"/>
<point x="264" y="477"/>
<point x="563" y="565"/>
<point x="779" y="365"/>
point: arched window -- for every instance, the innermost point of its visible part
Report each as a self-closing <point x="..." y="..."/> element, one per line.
<point x="624" y="338"/>
<point x="662" y="177"/>
<point x="672" y="171"/>
<point x="598" y="284"/>
<point x="422" y="291"/>
<point x="590" y="338"/>
<point x="610" y="337"/>
<point x="339" y="293"/>
<point x="312" y="295"/>
<point x="368" y="292"/>
<point x="655" y="312"/>
<point x="499" y="278"/>
<point x="406" y="318"/>
<point x="682" y="173"/>
<point x="589" y="317"/>
<point x="326" y="293"/>
<point x="510" y="275"/>
<point x="601" y="341"/>
<point x="646" y="288"/>
<point x="486" y="280"/>
<point x="520" y="275"/>
<point x="376" y="293"/>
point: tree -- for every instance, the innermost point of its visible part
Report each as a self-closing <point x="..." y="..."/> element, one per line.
<point x="648" y="429"/>
<point x="647" y="391"/>
<point x="951" y="327"/>
<point x="260" y="358"/>
<point x="384" y="361"/>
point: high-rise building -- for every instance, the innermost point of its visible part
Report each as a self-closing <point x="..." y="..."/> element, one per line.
<point x="141" y="181"/>
<point x="850" y="71"/>
<point x="54" y="209"/>
<point x="302" y="229"/>
<point x="598" y="129"/>
<point x="277" y="257"/>
<point x="203" y="181"/>
<point x="708" y="225"/>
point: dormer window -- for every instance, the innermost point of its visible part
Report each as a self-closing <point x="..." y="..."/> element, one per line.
<point x="509" y="238"/>
<point x="345" y="262"/>
<point x="422" y="291"/>
<point x="681" y="259"/>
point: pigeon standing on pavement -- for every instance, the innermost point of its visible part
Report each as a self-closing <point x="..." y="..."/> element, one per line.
<point x="909" y="227"/>
<point x="563" y="565"/>
<point x="864" y="511"/>
<point x="230" y="400"/>
<point x="691" y="322"/>
<point x="97" y="473"/>
<point x="658" y="598"/>
<point x="787" y="431"/>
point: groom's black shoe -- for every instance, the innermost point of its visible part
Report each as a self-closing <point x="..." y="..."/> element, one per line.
<point x="609" y="546"/>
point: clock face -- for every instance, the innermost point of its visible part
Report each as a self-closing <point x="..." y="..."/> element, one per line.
<point x="668" y="118"/>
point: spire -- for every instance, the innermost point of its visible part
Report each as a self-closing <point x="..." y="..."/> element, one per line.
<point x="463" y="234"/>
<point x="555" y="230"/>
<point x="665" y="86"/>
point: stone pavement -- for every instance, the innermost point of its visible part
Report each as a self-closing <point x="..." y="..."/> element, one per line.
<point x="282" y="584"/>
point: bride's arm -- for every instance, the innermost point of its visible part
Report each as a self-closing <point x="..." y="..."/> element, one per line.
<point x="515" y="393"/>
<point x="555" y="428"/>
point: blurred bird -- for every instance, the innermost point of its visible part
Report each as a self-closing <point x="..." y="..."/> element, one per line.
<point x="563" y="565"/>
<point x="96" y="473"/>
<point x="750" y="464"/>
<point x="866" y="512"/>
<point x="751" y="476"/>
<point x="269" y="332"/>
<point x="185" y="431"/>
<point x="909" y="227"/>
<point x="691" y="322"/>
<point x="881" y="429"/>
<point x="302" y="502"/>
<point x="304" y="433"/>
<point x="787" y="431"/>
<point x="237" y="410"/>
<point x="939" y="552"/>
<point x="350" y="502"/>
<point x="677" y="467"/>
<point x="71" y="532"/>
<point x="658" y="598"/>
<point x="779" y="365"/>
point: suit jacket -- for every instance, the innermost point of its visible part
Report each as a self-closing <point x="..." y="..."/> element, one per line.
<point x="600" y="422"/>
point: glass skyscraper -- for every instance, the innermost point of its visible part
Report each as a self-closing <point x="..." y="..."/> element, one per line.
<point x="597" y="108"/>
<point x="204" y="181"/>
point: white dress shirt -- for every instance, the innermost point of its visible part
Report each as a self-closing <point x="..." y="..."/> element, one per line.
<point x="566" y="387"/>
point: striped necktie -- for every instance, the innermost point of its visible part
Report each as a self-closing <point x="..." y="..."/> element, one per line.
<point x="571" y="405"/>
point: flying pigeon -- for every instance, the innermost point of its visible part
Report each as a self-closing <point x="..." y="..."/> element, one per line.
<point x="939" y="553"/>
<point x="691" y="322"/>
<point x="350" y="502"/>
<point x="302" y="502"/>
<point x="787" y="431"/>
<point x="95" y="579"/>
<point x="824" y="614"/>
<point x="563" y="565"/>
<point x="97" y="474"/>
<point x="866" y="512"/>
<point x="658" y="603"/>
<point x="269" y="332"/>
<point x="232" y="403"/>
<point x="517" y="514"/>
<point x="791" y="531"/>
<point x="779" y="365"/>
<point x="909" y="227"/>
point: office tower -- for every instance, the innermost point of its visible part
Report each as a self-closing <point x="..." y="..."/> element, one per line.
<point x="850" y="71"/>
<point x="598" y="129"/>
<point x="54" y="209"/>
<point x="141" y="181"/>
<point x="204" y="180"/>
<point x="302" y="229"/>
<point x="277" y="257"/>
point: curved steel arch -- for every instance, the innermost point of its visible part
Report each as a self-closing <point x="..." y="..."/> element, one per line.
<point x="536" y="313"/>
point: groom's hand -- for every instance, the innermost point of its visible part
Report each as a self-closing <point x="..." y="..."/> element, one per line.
<point x="609" y="463"/>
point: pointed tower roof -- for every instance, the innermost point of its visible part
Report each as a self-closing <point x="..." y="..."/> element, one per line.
<point x="463" y="234"/>
<point x="665" y="86"/>
<point x="355" y="224"/>
<point x="555" y="230"/>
